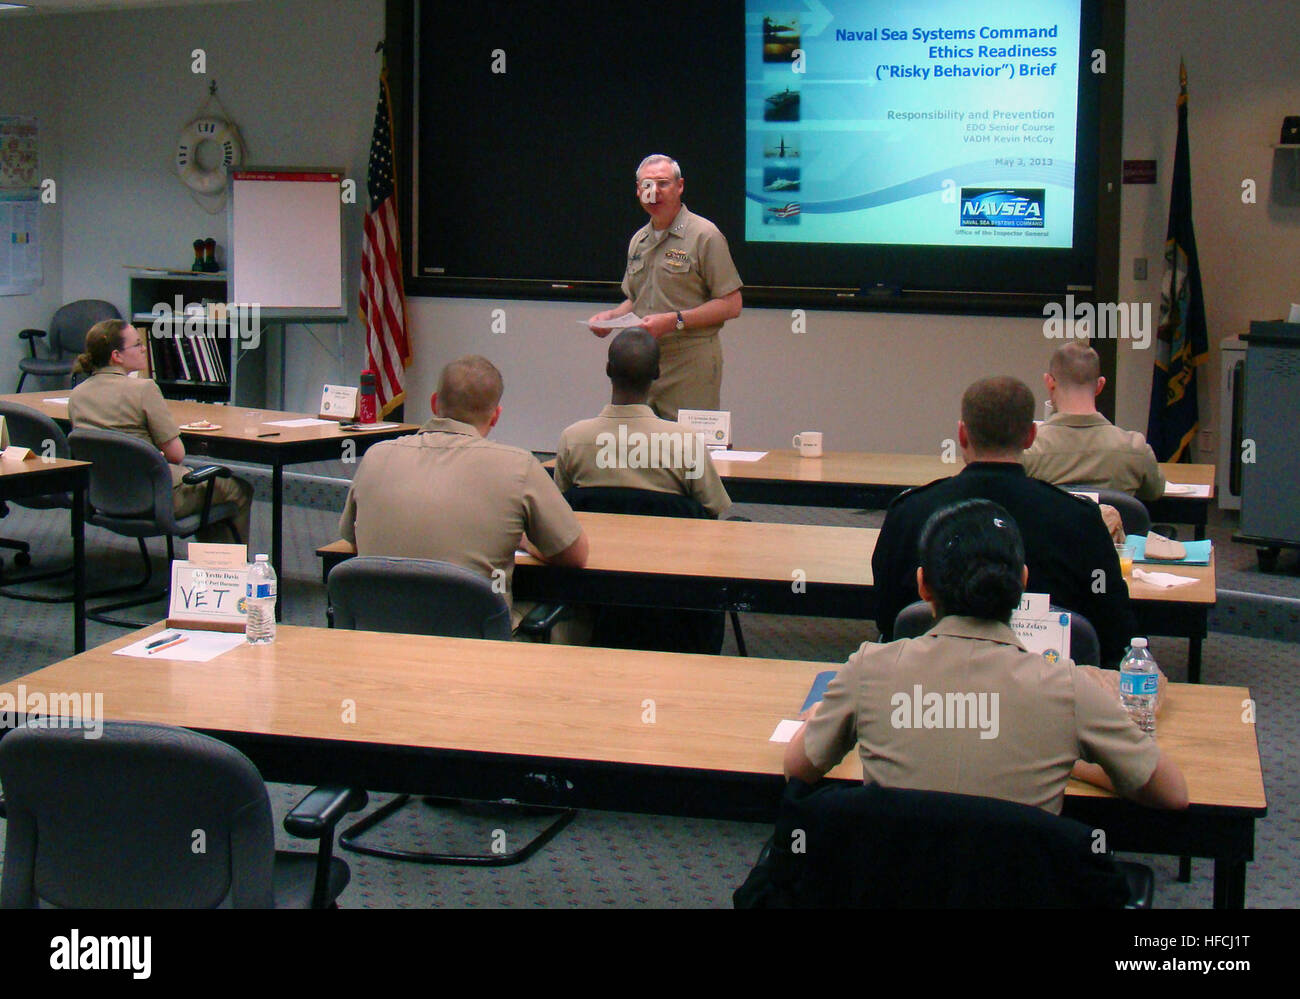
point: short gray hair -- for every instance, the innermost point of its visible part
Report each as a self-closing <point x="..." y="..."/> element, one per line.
<point x="659" y="158"/>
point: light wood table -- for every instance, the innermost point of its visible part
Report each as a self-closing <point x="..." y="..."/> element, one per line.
<point x="765" y="568"/>
<point x="871" y="480"/>
<point x="245" y="436"/>
<point x="42" y="477"/>
<point x="596" y="728"/>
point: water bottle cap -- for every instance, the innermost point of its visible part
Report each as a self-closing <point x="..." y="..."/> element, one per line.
<point x="263" y="558"/>
<point x="1137" y="643"/>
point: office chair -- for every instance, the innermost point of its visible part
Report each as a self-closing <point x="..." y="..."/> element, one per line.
<point x="151" y="816"/>
<point x="866" y="846"/>
<point x="31" y="428"/>
<point x="1132" y="511"/>
<point x="66" y="338"/>
<point x="131" y="494"/>
<point x="424" y="597"/>
<point x="916" y="619"/>
<point x="651" y="629"/>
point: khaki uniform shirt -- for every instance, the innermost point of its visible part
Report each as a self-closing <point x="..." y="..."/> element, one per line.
<point x="446" y="493"/>
<point x="630" y="447"/>
<point x="1045" y="717"/>
<point x="109" y="400"/>
<point x="1086" y="449"/>
<point x="686" y="265"/>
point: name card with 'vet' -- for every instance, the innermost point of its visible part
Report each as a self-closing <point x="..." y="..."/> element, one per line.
<point x="207" y="598"/>
<point x="1041" y="629"/>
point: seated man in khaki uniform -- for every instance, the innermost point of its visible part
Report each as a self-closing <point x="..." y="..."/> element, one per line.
<point x="448" y="493"/>
<point x="628" y="446"/>
<point x="1080" y="447"/>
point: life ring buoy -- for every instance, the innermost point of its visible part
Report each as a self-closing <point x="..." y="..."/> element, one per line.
<point x="200" y="130"/>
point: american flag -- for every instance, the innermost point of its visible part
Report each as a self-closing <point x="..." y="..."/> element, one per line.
<point x="788" y="210"/>
<point x="383" y="300"/>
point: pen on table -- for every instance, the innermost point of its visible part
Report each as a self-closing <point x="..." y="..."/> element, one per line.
<point x="183" y="638"/>
<point x="164" y="640"/>
<point x="270" y="433"/>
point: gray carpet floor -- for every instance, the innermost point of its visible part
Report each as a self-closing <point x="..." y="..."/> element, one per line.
<point x="607" y="860"/>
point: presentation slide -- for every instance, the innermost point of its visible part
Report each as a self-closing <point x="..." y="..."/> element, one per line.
<point x="943" y="123"/>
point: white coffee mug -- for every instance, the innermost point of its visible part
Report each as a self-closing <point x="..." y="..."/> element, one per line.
<point x="809" y="443"/>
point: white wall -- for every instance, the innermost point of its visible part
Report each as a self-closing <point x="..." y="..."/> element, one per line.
<point x="300" y="78"/>
<point x="28" y="87"/>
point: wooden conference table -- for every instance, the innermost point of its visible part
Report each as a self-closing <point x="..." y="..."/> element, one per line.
<point x="801" y="569"/>
<point x="42" y="477"/>
<point x="562" y="725"/>
<point x="245" y="436"/>
<point x="870" y="481"/>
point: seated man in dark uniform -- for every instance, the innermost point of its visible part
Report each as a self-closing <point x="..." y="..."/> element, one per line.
<point x="1069" y="552"/>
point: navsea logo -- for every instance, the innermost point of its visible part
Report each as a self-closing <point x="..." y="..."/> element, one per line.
<point x="1002" y="208"/>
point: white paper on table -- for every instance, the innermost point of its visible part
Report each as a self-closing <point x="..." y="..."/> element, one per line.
<point x="1164" y="580"/>
<point x="59" y="401"/>
<point x="199" y="647"/>
<point x="309" y="421"/>
<point x="738" y="455"/>
<point x="785" y="730"/>
<point x="371" y="426"/>
<point x="617" y="323"/>
<point x="1200" y="491"/>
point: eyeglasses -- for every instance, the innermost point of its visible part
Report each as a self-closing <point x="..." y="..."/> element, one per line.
<point x="132" y="347"/>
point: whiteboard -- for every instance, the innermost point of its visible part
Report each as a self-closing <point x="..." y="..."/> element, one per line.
<point x="286" y="242"/>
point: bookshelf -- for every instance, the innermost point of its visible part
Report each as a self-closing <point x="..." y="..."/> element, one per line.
<point x="194" y="339"/>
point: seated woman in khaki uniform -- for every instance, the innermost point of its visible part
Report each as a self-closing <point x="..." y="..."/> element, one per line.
<point x="965" y="708"/>
<point x="109" y="400"/>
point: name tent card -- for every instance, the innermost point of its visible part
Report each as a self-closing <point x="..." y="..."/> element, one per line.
<point x="339" y="402"/>
<point x="210" y="598"/>
<point x="715" y="425"/>
<point x="1040" y="629"/>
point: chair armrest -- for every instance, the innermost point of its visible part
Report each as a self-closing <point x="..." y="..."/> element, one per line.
<point x="202" y="475"/>
<point x="317" y="814"/>
<point x="539" y="621"/>
<point x="30" y="334"/>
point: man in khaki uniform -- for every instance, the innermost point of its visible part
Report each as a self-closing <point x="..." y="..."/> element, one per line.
<point x="1080" y="447"/>
<point x="681" y="281"/>
<point x="109" y="400"/>
<point x="448" y="493"/>
<point x="628" y="446"/>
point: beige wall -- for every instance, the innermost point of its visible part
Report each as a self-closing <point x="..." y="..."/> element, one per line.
<point x="300" y="78"/>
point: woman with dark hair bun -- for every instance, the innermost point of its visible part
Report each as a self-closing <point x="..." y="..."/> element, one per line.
<point x="965" y="708"/>
<point x="114" y="397"/>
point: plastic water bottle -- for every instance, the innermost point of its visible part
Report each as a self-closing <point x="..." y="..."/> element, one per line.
<point x="1139" y="680"/>
<point x="259" y="627"/>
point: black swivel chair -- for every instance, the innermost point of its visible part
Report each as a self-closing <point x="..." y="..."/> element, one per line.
<point x="424" y="597"/>
<point x="150" y="816"/>
<point x="31" y="428"/>
<point x="131" y="494"/>
<point x="1132" y="511"/>
<point x="865" y="846"/>
<point x="916" y="619"/>
<point x="66" y="338"/>
<point x="651" y="629"/>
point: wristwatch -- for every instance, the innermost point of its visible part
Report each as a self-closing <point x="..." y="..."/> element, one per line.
<point x="681" y="323"/>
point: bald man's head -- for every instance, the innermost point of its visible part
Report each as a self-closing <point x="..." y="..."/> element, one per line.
<point x="1075" y="365"/>
<point x="633" y="361"/>
<point x="469" y="390"/>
